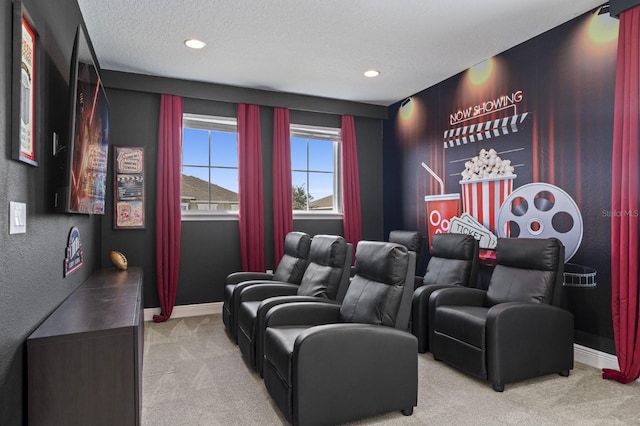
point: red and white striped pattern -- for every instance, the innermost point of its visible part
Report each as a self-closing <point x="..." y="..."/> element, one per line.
<point x="482" y="198"/>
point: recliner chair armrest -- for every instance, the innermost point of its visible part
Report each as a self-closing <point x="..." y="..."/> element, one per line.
<point x="264" y="308"/>
<point x="238" y="277"/>
<point x="266" y="290"/>
<point x="365" y="363"/>
<point x="271" y="302"/>
<point x="417" y="281"/>
<point x="457" y="295"/>
<point x="246" y="284"/>
<point x="544" y="336"/>
<point x="506" y="320"/>
<point x="423" y="293"/>
<point x="302" y="313"/>
<point x="420" y="313"/>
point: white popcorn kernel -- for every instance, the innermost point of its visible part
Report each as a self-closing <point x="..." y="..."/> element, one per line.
<point x="487" y="164"/>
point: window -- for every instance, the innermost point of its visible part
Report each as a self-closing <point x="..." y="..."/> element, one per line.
<point x="209" y="181"/>
<point x="315" y="169"/>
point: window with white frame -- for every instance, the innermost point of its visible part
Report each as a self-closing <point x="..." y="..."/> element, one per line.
<point x="315" y="169"/>
<point x="209" y="181"/>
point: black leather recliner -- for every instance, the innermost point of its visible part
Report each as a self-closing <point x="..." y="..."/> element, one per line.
<point x="516" y="329"/>
<point x="329" y="364"/>
<point x="290" y="270"/>
<point x="454" y="262"/>
<point x="326" y="277"/>
<point x="412" y="240"/>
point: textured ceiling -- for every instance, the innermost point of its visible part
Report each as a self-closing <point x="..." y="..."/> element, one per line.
<point x="318" y="48"/>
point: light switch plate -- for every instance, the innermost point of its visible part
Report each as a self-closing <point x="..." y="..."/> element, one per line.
<point x="17" y="218"/>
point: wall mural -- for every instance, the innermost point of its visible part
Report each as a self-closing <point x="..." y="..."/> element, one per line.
<point x="520" y="146"/>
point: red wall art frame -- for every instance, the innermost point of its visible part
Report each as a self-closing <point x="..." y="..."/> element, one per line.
<point x="24" y="86"/>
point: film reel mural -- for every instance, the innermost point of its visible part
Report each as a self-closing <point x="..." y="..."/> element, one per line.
<point x="542" y="210"/>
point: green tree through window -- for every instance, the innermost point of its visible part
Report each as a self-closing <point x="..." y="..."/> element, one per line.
<point x="301" y="197"/>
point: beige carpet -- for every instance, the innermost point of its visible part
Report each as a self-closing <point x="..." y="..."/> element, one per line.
<point x="194" y="375"/>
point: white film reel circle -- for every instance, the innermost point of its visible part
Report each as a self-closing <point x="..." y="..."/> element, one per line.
<point x="542" y="210"/>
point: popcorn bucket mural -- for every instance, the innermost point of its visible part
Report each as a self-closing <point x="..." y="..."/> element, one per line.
<point x="482" y="199"/>
<point x="487" y="181"/>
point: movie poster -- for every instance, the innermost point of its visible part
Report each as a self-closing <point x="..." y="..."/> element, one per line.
<point x="129" y="188"/>
<point x="27" y="93"/>
<point x="90" y="144"/>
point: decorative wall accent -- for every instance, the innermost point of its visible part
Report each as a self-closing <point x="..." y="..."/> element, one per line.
<point x="129" y="187"/>
<point x="24" y="85"/>
<point x="525" y="138"/>
<point x="73" y="253"/>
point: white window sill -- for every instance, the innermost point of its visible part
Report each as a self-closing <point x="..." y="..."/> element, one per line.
<point x="218" y="216"/>
<point x="317" y="215"/>
<point x="208" y="216"/>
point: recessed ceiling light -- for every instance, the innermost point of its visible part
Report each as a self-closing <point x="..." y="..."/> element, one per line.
<point x="195" y="43"/>
<point x="371" y="73"/>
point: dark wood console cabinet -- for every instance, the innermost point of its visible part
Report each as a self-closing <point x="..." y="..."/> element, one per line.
<point x="85" y="359"/>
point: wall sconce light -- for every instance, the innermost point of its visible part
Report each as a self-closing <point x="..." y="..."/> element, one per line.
<point x="407" y="109"/>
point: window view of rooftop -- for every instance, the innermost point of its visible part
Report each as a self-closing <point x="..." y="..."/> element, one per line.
<point x="197" y="194"/>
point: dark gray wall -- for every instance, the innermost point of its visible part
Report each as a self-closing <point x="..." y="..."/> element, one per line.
<point x="134" y="122"/>
<point x="31" y="281"/>
<point x="619" y="6"/>
<point x="210" y="250"/>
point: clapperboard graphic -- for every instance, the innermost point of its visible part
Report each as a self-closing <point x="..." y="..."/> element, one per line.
<point x="130" y="187"/>
<point x="484" y="131"/>
<point x="511" y="138"/>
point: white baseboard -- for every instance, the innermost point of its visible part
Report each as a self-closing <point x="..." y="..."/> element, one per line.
<point x="182" y="311"/>
<point x="581" y="354"/>
<point x="594" y="358"/>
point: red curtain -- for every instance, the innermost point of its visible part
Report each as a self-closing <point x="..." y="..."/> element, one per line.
<point x="351" y="210"/>
<point x="168" y="214"/>
<point x="250" y="192"/>
<point x="624" y="201"/>
<point x="282" y="198"/>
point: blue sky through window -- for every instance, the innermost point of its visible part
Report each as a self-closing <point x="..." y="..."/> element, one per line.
<point x="313" y="166"/>
<point x="311" y="161"/>
<point x="197" y="157"/>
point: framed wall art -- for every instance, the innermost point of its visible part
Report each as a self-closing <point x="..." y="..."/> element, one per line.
<point x="129" y="187"/>
<point x="24" y="86"/>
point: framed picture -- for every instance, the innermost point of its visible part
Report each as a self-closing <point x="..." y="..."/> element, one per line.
<point x="129" y="187"/>
<point x="24" y="87"/>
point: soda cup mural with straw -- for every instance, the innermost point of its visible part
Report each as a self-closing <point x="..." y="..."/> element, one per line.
<point x="440" y="208"/>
